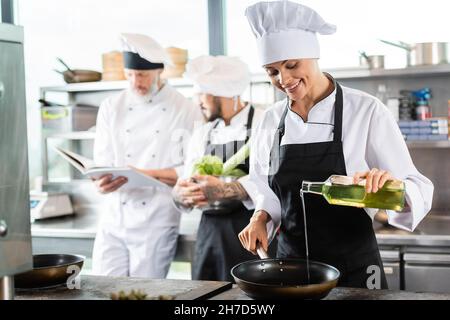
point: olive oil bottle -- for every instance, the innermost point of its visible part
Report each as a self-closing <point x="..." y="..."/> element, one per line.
<point x="340" y="190"/>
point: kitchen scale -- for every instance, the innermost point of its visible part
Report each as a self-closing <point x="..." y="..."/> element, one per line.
<point x="45" y="205"/>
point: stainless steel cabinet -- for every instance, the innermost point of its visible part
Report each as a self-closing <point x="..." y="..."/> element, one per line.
<point x="427" y="272"/>
<point x="15" y="238"/>
<point x="391" y="263"/>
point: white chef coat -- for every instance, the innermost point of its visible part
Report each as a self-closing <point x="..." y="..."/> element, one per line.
<point x="222" y="134"/>
<point x="371" y="139"/>
<point x="150" y="135"/>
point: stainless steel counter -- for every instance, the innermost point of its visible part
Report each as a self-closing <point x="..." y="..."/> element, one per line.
<point x="434" y="231"/>
<point x="83" y="224"/>
<point x="76" y="234"/>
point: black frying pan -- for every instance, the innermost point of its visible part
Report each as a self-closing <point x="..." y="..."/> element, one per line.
<point x="285" y="278"/>
<point x="49" y="270"/>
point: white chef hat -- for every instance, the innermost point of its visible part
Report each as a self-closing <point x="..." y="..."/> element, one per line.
<point x="286" y="30"/>
<point x="219" y="76"/>
<point x="141" y="52"/>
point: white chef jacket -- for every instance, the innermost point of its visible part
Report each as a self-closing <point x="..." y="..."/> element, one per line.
<point x="222" y="134"/>
<point x="371" y="139"/>
<point x="150" y="135"/>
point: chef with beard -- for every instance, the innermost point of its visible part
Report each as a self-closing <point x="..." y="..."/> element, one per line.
<point x="219" y="83"/>
<point x="147" y="125"/>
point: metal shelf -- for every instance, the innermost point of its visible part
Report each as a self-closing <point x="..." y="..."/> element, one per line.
<point x="365" y="73"/>
<point x="74" y="135"/>
<point x="87" y="86"/>
<point x="428" y="144"/>
<point x="89" y="135"/>
<point x="119" y="85"/>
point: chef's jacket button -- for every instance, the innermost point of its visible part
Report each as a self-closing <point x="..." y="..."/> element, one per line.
<point x="157" y="131"/>
<point x="128" y="131"/>
<point x="163" y="109"/>
<point x="143" y="203"/>
<point x="131" y="109"/>
<point x="128" y="155"/>
<point x="124" y="203"/>
<point x="153" y="155"/>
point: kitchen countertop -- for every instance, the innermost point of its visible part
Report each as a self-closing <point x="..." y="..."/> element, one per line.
<point x="434" y="230"/>
<point x="349" y="294"/>
<point x="100" y="288"/>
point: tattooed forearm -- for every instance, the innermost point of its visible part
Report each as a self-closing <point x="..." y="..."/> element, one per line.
<point x="226" y="191"/>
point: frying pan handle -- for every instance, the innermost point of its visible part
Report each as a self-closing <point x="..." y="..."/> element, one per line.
<point x="261" y="252"/>
<point x="400" y="44"/>
<point x="67" y="67"/>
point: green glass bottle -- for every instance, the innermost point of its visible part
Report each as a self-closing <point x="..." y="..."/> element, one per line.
<point x="340" y="190"/>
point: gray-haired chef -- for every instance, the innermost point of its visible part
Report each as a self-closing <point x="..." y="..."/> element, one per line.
<point x="145" y="126"/>
<point x="320" y="129"/>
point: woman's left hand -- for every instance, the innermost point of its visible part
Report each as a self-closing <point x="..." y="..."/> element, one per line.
<point x="375" y="179"/>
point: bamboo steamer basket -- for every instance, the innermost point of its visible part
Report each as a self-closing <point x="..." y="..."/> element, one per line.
<point x="113" y="66"/>
<point x="179" y="58"/>
<point x="177" y="55"/>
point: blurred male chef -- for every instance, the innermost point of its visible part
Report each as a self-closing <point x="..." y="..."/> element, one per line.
<point x="146" y="125"/>
<point x="219" y="82"/>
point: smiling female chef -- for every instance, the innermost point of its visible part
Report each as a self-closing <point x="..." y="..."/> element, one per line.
<point x="322" y="129"/>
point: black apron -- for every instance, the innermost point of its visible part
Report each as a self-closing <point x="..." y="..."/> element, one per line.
<point x="337" y="235"/>
<point x="217" y="248"/>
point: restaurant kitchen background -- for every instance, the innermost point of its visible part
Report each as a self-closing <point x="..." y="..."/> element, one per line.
<point x="395" y="50"/>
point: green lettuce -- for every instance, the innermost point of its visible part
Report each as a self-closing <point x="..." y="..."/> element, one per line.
<point x="213" y="165"/>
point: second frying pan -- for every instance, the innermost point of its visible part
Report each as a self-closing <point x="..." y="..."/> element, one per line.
<point x="49" y="270"/>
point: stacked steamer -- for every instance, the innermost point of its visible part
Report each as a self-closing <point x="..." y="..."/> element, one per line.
<point x="179" y="58"/>
<point x="113" y="66"/>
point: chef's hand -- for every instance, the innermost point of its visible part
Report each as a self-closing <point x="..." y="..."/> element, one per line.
<point x="255" y="232"/>
<point x="375" y="179"/>
<point x="217" y="190"/>
<point x="106" y="184"/>
<point x="189" y="193"/>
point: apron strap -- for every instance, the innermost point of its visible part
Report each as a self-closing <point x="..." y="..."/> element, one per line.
<point x="249" y="123"/>
<point x="338" y="111"/>
<point x="208" y="141"/>
<point x="250" y="117"/>
<point x="275" y="150"/>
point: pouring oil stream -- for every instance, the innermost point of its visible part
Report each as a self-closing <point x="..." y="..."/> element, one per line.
<point x="306" y="234"/>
